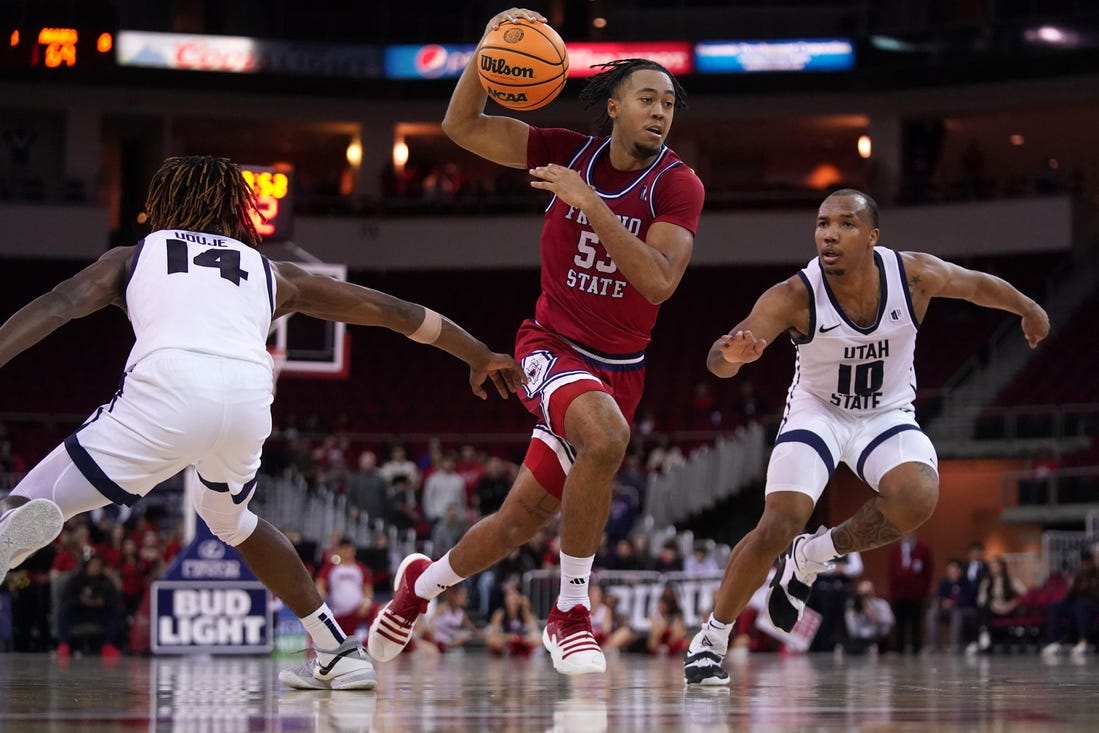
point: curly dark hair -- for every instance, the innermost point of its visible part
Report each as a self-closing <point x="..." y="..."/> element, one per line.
<point x="201" y="193"/>
<point x="604" y="85"/>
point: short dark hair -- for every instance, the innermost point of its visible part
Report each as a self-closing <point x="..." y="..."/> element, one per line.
<point x="868" y="202"/>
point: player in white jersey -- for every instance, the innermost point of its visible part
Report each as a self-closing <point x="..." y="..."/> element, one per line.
<point x="197" y="388"/>
<point x="852" y="314"/>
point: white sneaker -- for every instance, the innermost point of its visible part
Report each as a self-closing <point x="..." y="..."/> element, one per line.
<point x="703" y="664"/>
<point x="347" y="667"/>
<point x="793" y="582"/>
<point x="26" y="529"/>
<point x="984" y="641"/>
<point x="1082" y="647"/>
<point x="1051" y="650"/>
<point x="572" y="646"/>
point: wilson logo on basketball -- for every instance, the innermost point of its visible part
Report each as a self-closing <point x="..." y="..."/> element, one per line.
<point x="500" y="67"/>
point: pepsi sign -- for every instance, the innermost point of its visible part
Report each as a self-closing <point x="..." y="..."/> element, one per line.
<point x="429" y="61"/>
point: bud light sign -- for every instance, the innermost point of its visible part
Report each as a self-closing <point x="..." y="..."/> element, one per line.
<point x="432" y="61"/>
<point x="210" y="602"/>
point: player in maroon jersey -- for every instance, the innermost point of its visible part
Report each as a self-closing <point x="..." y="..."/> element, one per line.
<point x="618" y="234"/>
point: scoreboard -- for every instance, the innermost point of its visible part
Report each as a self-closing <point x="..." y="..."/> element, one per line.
<point x="274" y="219"/>
<point x="56" y="47"/>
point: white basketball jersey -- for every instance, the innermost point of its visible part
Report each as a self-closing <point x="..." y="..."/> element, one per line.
<point x="200" y="292"/>
<point x="854" y="369"/>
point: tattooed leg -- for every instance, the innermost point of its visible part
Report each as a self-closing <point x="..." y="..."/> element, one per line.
<point x="525" y="510"/>
<point x="907" y="496"/>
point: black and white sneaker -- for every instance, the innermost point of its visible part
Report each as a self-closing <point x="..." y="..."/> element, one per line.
<point x="793" y="582"/>
<point x="346" y="667"/>
<point x="703" y="663"/>
<point x="26" y="529"/>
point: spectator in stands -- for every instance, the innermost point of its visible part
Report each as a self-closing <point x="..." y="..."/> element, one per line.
<point x="624" y="557"/>
<point x="704" y="413"/>
<point x="399" y="465"/>
<point x="975" y="567"/>
<point x="513" y="629"/>
<point x="347" y="586"/>
<point x="997" y="597"/>
<point x="632" y="474"/>
<point x="90" y="598"/>
<point x="609" y="626"/>
<point x="749" y="408"/>
<point x="667" y="626"/>
<point x="668" y="560"/>
<point x="830" y="596"/>
<point x="910" y="566"/>
<point x="368" y="491"/>
<point x="450" y="627"/>
<point x="701" y="561"/>
<point x="664" y="456"/>
<point x="448" y="530"/>
<point x="442" y="489"/>
<point x="134" y="576"/>
<point x="1076" y="616"/>
<point x="406" y="509"/>
<point x="624" y="511"/>
<point x="429" y="459"/>
<point x="954" y="604"/>
<point x="493" y="486"/>
<point x="471" y="468"/>
<point x="869" y="620"/>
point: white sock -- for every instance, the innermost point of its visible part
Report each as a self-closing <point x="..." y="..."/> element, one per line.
<point x="323" y="629"/>
<point x="820" y="549"/>
<point x="438" y="577"/>
<point x="575" y="572"/>
<point x="717" y="631"/>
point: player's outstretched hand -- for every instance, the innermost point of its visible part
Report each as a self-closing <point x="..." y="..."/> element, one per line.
<point x="1035" y="325"/>
<point x="505" y="373"/>
<point x="512" y="15"/>
<point x="741" y="347"/>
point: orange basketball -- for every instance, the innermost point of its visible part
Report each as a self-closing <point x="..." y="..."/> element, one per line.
<point x="523" y="64"/>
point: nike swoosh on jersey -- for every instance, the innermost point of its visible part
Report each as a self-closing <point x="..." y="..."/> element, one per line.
<point x="829" y="328"/>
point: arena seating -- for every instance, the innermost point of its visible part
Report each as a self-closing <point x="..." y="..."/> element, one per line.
<point x="399" y="387"/>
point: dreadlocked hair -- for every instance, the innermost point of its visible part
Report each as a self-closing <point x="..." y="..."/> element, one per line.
<point x="201" y="193"/>
<point x="604" y="85"/>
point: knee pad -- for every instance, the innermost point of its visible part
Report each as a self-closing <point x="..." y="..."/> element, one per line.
<point x="231" y="523"/>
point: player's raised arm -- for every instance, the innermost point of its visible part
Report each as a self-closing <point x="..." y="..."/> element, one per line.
<point x="931" y="277"/>
<point x="98" y="285"/>
<point x="333" y="300"/>
<point x="500" y="139"/>
<point x="781" y="308"/>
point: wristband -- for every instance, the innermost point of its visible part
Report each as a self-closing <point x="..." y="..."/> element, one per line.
<point x="429" y="330"/>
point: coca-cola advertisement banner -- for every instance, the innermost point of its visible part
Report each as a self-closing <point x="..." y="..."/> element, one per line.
<point x="241" y="55"/>
<point x="584" y="58"/>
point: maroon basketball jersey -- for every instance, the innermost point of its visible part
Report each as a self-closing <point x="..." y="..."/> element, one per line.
<point x="584" y="296"/>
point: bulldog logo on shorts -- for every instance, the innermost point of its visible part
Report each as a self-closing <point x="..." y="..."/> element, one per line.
<point x="537" y="367"/>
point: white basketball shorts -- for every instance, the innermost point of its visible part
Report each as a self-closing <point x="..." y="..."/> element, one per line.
<point x="174" y="409"/>
<point x="814" y="438"/>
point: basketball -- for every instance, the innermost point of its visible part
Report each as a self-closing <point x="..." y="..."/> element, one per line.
<point x="523" y="65"/>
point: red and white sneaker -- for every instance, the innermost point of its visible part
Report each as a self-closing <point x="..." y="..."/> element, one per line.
<point x="570" y="642"/>
<point x="392" y="629"/>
